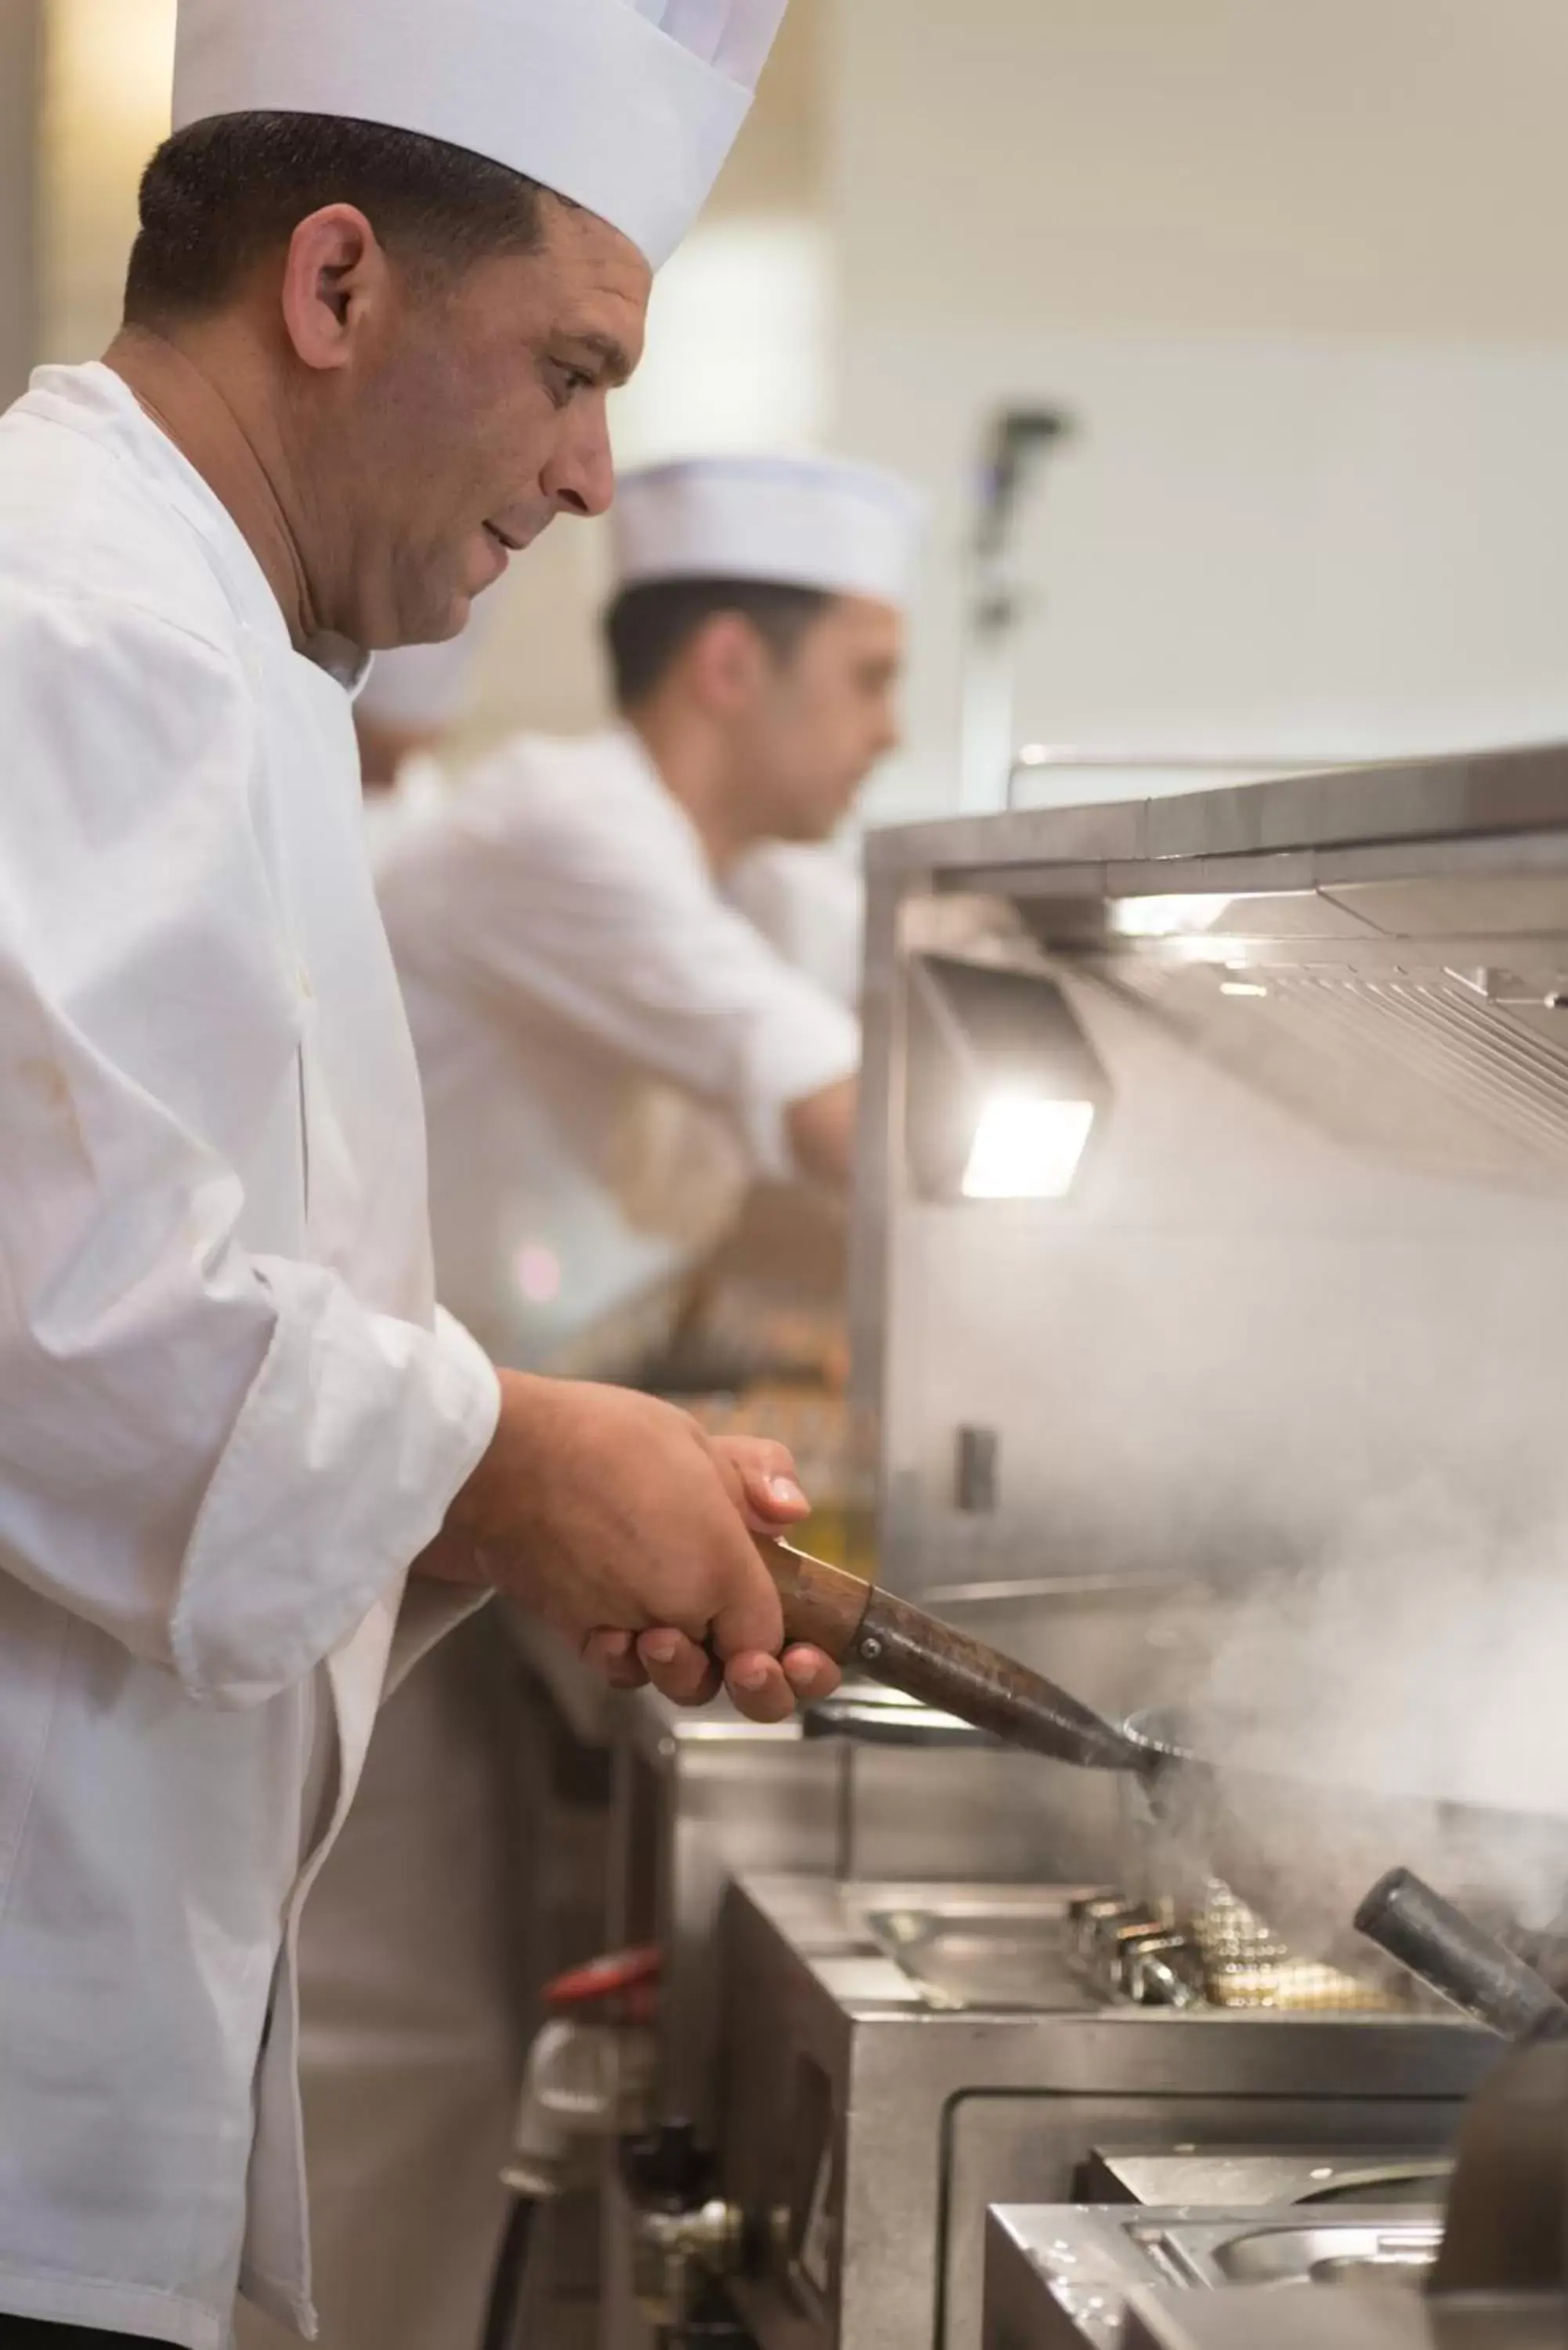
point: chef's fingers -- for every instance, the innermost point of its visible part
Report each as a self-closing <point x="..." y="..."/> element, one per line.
<point x="761" y="1474"/>
<point x="756" y="1682"/>
<point x="810" y="1674"/>
<point x="749" y="1615"/>
<point x="614" y="1654"/>
<point x="678" y="1669"/>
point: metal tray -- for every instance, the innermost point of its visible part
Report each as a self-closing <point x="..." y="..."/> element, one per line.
<point x="994" y="1954"/>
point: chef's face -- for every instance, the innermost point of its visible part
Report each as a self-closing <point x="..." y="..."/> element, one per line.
<point x="822" y="716"/>
<point x="472" y="415"/>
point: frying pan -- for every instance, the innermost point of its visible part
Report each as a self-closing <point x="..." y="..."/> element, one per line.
<point x="1298" y="1848"/>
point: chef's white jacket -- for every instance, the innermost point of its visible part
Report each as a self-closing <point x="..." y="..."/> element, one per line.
<point x="610" y="1040"/>
<point x="230" y="1415"/>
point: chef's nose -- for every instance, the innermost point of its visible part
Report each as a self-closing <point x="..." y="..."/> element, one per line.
<point x="580" y="477"/>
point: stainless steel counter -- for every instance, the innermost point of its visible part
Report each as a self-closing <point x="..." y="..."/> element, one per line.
<point x="867" y="2122"/>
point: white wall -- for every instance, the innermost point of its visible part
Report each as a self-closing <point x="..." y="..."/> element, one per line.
<point x="105" y="107"/>
<point x="1298" y="272"/>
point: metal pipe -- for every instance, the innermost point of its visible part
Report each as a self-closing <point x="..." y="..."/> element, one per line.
<point x="1045" y="755"/>
<point x="1016" y="440"/>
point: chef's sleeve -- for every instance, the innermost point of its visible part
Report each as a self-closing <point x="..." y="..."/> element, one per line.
<point x="809" y="903"/>
<point x="599" y="922"/>
<point x="221" y="1457"/>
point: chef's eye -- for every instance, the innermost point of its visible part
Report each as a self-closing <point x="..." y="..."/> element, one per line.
<point x="566" y="383"/>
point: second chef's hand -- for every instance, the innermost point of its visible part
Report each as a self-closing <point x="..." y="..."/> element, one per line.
<point x="618" y="1522"/>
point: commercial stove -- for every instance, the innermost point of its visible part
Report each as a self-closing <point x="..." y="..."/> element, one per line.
<point x="868" y="1785"/>
<point x="894" y="2059"/>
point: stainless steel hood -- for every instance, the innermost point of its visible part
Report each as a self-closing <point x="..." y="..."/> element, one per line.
<point x="1328" y="1223"/>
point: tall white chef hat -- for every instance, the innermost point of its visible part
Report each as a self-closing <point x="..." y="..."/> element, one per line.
<point x="795" y="521"/>
<point x="628" y="107"/>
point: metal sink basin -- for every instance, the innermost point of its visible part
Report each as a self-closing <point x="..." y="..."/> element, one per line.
<point x="1006" y="1952"/>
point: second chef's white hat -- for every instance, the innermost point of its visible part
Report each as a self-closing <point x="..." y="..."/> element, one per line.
<point x="793" y="522"/>
<point x="422" y="689"/>
<point x="627" y="107"/>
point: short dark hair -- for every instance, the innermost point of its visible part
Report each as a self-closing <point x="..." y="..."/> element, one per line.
<point x="648" y="626"/>
<point x="219" y="195"/>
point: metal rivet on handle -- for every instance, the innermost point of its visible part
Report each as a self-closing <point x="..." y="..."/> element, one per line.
<point x="870" y="1647"/>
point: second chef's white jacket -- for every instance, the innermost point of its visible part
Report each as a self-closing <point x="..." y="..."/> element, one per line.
<point x="609" y="1041"/>
<point x="230" y="1414"/>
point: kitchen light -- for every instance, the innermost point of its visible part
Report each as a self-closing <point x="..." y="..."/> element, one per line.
<point x="1241" y="987"/>
<point x="1002" y="1088"/>
<point x="1026" y="1147"/>
<point x="1164" y="918"/>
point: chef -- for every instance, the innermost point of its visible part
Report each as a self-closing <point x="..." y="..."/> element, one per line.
<point x="389" y="264"/>
<point x="629" y="962"/>
<point x="636" y="944"/>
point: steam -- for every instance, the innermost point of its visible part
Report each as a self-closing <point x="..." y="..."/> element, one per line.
<point x="1332" y="1382"/>
<point x="1304" y="1343"/>
<point x="1404" y="1698"/>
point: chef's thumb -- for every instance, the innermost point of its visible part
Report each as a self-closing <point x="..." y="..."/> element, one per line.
<point x="761" y="1476"/>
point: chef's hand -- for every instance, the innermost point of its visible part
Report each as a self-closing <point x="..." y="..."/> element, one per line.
<point x="760" y="1475"/>
<point x="617" y="1521"/>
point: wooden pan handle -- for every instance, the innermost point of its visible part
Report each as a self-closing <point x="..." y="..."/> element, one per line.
<point x="900" y="1646"/>
<point x="824" y="1605"/>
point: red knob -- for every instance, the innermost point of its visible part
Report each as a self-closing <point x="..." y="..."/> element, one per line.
<point x="609" y="1976"/>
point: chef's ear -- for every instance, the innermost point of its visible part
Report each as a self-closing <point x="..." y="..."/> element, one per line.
<point x="335" y="267"/>
<point x="725" y="662"/>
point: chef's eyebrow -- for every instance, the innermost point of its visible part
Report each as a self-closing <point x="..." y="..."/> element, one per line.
<point x="614" y="364"/>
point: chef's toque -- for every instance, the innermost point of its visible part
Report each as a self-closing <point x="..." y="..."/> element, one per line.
<point x="627" y="107"/>
<point x="794" y="522"/>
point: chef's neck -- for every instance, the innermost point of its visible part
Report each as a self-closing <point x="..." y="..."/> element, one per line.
<point x="698" y="768"/>
<point x="199" y="393"/>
